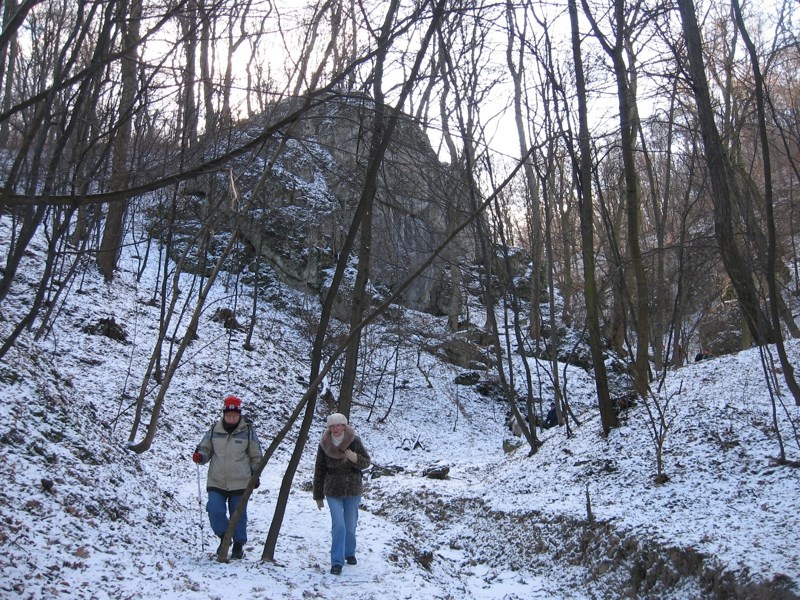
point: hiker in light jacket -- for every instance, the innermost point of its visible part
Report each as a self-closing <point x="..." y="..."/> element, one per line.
<point x="233" y="449"/>
<point x="337" y="476"/>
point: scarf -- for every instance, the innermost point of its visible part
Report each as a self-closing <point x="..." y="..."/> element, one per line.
<point x="335" y="449"/>
<point x="231" y="427"/>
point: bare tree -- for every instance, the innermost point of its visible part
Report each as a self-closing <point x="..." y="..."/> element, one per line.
<point x="583" y="167"/>
<point x="515" y="67"/>
<point x="774" y="293"/>
<point x="108" y="253"/>
<point x="726" y="194"/>
<point x="623" y="60"/>
<point x="9" y="51"/>
<point x="376" y="158"/>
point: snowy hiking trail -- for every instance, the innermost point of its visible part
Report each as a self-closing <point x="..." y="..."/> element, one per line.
<point x="388" y="554"/>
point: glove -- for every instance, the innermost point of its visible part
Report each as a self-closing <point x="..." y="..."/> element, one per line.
<point x="258" y="483"/>
<point x="351" y="456"/>
<point x="320" y="504"/>
<point x="197" y="457"/>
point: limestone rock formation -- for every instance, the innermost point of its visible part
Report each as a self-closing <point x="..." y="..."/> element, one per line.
<point x="304" y="207"/>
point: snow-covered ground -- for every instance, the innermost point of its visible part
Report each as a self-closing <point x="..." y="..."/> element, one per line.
<point x="83" y="517"/>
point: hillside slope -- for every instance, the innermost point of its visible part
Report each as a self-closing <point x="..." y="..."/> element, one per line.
<point x="83" y="517"/>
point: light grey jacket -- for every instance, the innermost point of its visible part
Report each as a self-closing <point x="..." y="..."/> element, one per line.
<point x="233" y="456"/>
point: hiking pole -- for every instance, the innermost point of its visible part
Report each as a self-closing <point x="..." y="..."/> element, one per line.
<point x="200" y="505"/>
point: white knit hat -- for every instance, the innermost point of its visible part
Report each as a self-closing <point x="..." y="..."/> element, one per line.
<point x="336" y="419"/>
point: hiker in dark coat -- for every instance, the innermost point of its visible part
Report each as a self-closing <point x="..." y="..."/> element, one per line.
<point x="233" y="449"/>
<point x="337" y="476"/>
<point x="551" y="420"/>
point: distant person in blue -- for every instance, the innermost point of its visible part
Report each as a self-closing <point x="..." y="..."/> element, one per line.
<point x="551" y="420"/>
<point x="337" y="476"/>
<point x="232" y="448"/>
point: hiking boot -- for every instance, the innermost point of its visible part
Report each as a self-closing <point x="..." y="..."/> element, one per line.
<point x="238" y="550"/>
<point x="336" y="570"/>
<point x="219" y="547"/>
<point x="351" y="560"/>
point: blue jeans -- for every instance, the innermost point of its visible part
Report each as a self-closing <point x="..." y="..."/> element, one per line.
<point x="217" y="507"/>
<point x="344" y="518"/>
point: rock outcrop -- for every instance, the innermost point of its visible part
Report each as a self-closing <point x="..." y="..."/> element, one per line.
<point x="305" y="204"/>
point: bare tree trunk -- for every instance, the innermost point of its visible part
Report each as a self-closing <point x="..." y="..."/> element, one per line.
<point x="468" y="130"/>
<point x="316" y="353"/>
<point x="453" y="198"/>
<point x="774" y="292"/>
<point x="584" y="169"/>
<point x="207" y="68"/>
<point x="9" y="49"/>
<point x="661" y="207"/>
<point x="108" y="253"/>
<point x="456" y="302"/>
<point x="225" y="114"/>
<point x="154" y="369"/>
<point x="628" y="126"/>
<point x="617" y="322"/>
<point x="191" y="331"/>
<point x="531" y="185"/>
<point x="34" y="137"/>
<point x="51" y="127"/>
<point x="724" y="191"/>
<point x="27" y="320"/>
<point x="317" y="370"/>
<point x="565" y="211"/>
<point x="188" y="105"/>
<point x="377" y="150"/>
<point x="526" y="426"/>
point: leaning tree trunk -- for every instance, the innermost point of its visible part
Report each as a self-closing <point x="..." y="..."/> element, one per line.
<point x="370" y="191"/>
<point x="724" y="192"/>
<point x="774" y="293"/>
<point x="189" y="335"/>
<point x="316" y="356"/>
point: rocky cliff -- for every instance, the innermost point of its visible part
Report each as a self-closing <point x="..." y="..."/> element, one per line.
<point x="305" y="183"/>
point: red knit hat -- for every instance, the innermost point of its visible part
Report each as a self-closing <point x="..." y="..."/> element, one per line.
<point x="232" y="403"/>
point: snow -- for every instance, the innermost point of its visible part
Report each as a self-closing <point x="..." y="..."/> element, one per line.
<point x="83" y="517"/>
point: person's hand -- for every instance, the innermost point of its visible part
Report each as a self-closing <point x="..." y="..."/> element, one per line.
<point x="351" y="456"/>
<point x="320" y="504"/>
<point x="197" y="457"/>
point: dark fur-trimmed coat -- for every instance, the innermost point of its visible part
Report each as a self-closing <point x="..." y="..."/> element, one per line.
<point x="334" y="475"/>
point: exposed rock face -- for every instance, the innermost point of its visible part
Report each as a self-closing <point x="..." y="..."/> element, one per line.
<point x="305" y="206"/>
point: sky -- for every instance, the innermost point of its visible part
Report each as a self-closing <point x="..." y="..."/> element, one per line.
<point x="81" y="516"/>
